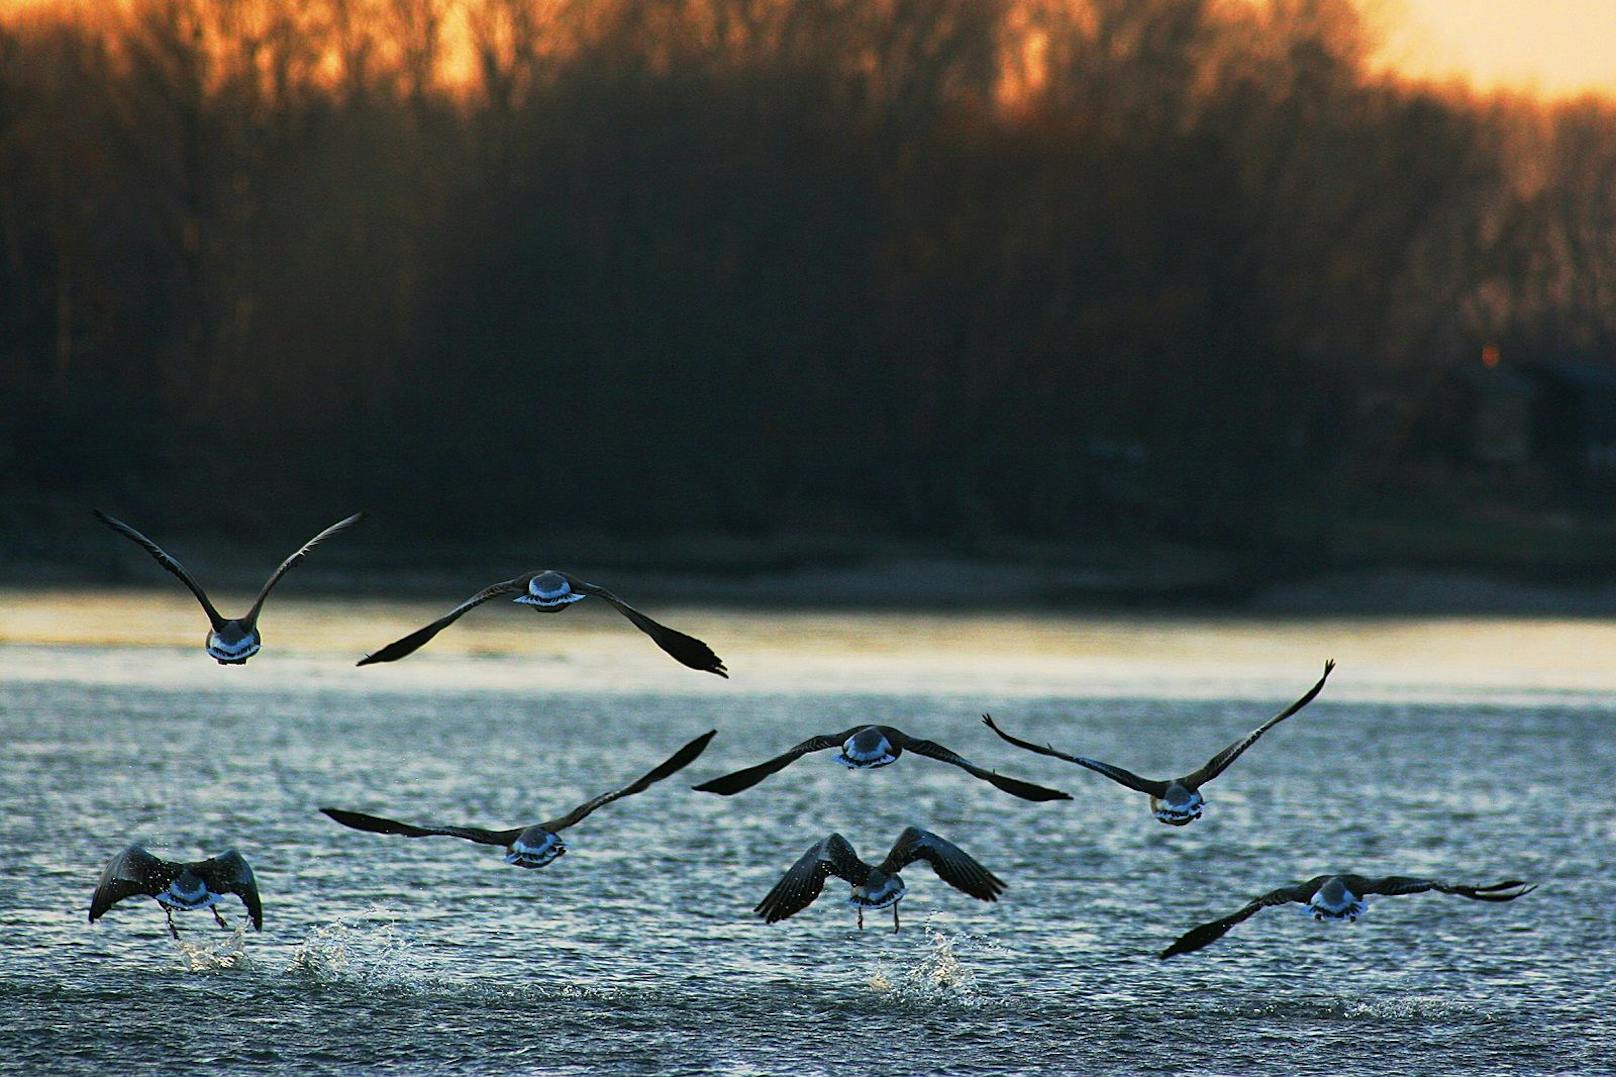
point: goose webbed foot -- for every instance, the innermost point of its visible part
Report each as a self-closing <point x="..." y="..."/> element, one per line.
<point x="172" y="930"/>
<point x="218" y="919"/>
<point x="861" y="917"/>
<point x="894" y="918"/>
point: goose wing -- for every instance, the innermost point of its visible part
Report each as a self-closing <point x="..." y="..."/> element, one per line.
<point x="686" y="650"/>
<point x="229" y="873"/>
<point x="1218" y="763"/>
<point x="1014" y="786"/>
<point x="948" y="860"/>
<point x="133" y="871"/>
<point x="162" y="557"/>
<point x="296" y="559"/>
<point x="1116" y="774"/>
<point x="375" y="824"/>
<point x="730" y="784"/>
<point x="803" y="881"/>
<point x="674" y="763"/>
<point x="413" y="642"/>
<point x="1508" y="890"/>
<point x="1206" y="934"/>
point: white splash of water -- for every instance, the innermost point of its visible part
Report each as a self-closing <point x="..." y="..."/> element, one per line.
<point x="940" y="976"/>
<point x="218" y="950"/>
<point x="361" y="948"/>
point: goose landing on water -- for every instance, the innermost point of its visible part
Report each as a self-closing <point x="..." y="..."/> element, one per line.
<point x="1340" y="897"/>
<point x="868" y="748"/>
<point x="177" y="885"/>
<point x="875" y="886"/>
<point x="1176" y="801"/>
<point x="551" y="592"/>
<point x="231" y="640"/>
<point x="532" y="846"/>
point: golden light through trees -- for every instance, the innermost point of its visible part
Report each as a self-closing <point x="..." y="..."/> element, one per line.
<point x="1556" y="48"/>
<point x="954" y="268"/>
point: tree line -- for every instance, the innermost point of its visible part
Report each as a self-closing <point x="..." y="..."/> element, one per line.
<point x="938" y="269"/>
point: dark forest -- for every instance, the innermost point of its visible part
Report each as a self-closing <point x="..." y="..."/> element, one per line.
<point x="950" y="272"/>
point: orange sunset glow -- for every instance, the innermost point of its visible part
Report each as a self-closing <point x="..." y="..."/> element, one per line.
<point x="1548" y="48"/>
<point x="1557" y="48"/>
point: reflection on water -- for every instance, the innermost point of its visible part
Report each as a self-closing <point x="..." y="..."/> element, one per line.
<point x="1463" y="749"/>
<point x="155" y="639"/>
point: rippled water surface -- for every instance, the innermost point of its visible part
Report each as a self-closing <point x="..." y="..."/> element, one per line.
<point x="1468" y="750"/>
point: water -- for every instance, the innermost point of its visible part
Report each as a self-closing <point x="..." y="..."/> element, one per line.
<point x="1470" y="750"/>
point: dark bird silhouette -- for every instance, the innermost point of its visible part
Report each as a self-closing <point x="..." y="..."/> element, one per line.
<point x="231" y="640"/>
<point x="197" y="885"/>
<point x="1339" y="897"/>
<point x="1176" y="801"/>
<point x="875" y="886"/>
<point x="551" y="592"/>
<point x="532" y="846"/>
<point x="866" y="748"/>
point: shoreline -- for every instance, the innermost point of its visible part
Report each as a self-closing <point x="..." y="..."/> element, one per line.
<point x="921" y="583"/>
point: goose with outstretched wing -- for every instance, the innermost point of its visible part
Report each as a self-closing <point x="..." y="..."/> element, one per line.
<point x="199" y="884"/>
<point x="550" y="591"/>
<point x="231" y="640"/>
<point x="868" y="747"/>
<point x="1340" y="897"/>
<point x="1174" y="801"/>
<point x="875" y="886"/>
<point x="530" y="846"/>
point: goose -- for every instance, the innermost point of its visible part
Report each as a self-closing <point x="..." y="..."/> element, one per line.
<point x="550" y="591"/>
<point x="1340" y="897"/>
<point x="231" y="640"/>
<point x="178" y="885"/>
<point x="868" y="747"/>
<point x="875" y="886"/>
<point x="1174" y="801"/>
<point x="530" y="846"/>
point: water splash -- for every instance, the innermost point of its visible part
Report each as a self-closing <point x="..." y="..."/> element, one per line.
<point x="363" y="948"/>
<point x="218" y="950"/>
<point x="940" y="976"/>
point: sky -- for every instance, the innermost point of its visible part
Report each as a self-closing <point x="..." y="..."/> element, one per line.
<point x="1559" y="48"/>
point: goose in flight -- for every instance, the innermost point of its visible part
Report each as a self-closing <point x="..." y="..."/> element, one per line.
<point x="875" y="886"/>
<point x="551" y="592"/>
<point x="177" y="885"/>
<point x="1176" y="801"/>
<point x="531" y="846"/>
<point x="866" y="748"/>
<point x="1340" y="897"/>
<point x="231" y="640"/>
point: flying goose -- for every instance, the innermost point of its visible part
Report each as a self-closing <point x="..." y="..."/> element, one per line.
<point x="532" y="846"/>
<point x="550" y="592"/>
<point x="176" y="885"/>
<point x="231" y="641"/>
<point x="867" y="747"/>
<point x="875" y="886"/>
<point x="1340" y="897"/>
<point x="1177" y="801"/>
